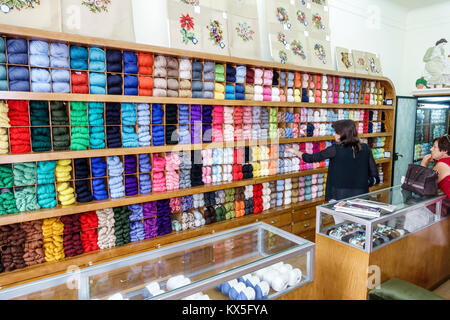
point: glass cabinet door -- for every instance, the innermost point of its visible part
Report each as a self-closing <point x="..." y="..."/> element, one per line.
<point x="189" y="269"/>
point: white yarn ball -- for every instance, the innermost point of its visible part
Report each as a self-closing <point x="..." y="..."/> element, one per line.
<point x="295" y="276"/>
<point x="278" y="283"/>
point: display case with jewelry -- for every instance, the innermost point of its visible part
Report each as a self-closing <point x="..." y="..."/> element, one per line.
<point x="390" y="214"/>
<point x="253" y="262"/>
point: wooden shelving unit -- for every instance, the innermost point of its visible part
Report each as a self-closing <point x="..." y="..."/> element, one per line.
<point x="285" y="217"/>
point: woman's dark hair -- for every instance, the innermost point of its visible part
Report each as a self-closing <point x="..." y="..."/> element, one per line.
<point x="443" y="143"/>
<point x="441" y="41"/>
<point x="349" y="136"/>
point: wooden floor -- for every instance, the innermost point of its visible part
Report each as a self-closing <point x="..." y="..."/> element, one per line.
<point x="443" y="290"/>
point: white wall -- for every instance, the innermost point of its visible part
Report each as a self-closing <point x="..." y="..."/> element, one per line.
<point x="425" y="27"/>
<point x="151" y="23"/>
<point x="376" y="26"/>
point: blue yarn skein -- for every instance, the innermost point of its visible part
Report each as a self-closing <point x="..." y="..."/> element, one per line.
<point x="40" y="80"/>
<point x="129" y="137"/>
<point x="143" y="114"/>
<point x="99" y="189"/>
<point x="19" y="78"/>
<point x="17" y="51"/>
<point x="98" y="167"/>
<point x="128" y="114"/>
<point x="59" y="55"/>
<point x="39" y="54"/>
<point x="144" y="163"/>
<point x="2" y="50"/>
<point x="137" y="212"/>
<point x="157" y="114"/>
<point x="130" y="62"/>
<point x="145" y="184"/>
<point x="97" y="83"/>
<point x="144" y="136"/>
<point x="78" y="58"/>
<point x="97" y="58"/>
<point x="158" y="135"/>
<point x="137" y="232"/>
<point x="46" y="172"/>
<point x="131" y="85"/>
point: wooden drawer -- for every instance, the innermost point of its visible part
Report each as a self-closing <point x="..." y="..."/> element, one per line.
<point x="278" y="221"/>
<point x="304" y="226"/>
<point x="304" y="214"/>
<point x="287" y="228"/>
<point x="310" y="235"/>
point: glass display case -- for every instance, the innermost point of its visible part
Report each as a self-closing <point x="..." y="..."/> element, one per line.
<point x="411" y="214"/>
<point x="256" y="261"/>
<point x="431" y="123"/>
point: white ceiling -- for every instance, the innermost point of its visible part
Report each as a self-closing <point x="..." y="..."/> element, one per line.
<point x="416" y="4"/>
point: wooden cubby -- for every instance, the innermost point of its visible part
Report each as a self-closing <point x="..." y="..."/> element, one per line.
<point x="298" y="218"/>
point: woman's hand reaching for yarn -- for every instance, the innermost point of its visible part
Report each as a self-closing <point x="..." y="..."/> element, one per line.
<point x="295" y="152"/>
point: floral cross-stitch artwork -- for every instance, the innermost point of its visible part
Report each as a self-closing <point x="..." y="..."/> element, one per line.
<point x="283" y="17"/>
<point x="297" y="49"/>
<point x="317" y="21"/>
<point x="216" y="33"/>
<point x="319" y="50"/>
<point x="301" y="17"/>
<point x="244" y="31"/>
<point x="187" y="29"/>
<point x="283" y="56"/>
<point x="7" y="6"/>
<point x="282" y="38"/>
<point x="97" y="6"/>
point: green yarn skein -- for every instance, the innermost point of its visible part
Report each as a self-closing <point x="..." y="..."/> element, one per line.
<point x="24" y="174"/>
<point x="6" y="176"/>
<point x="26" y="199"/>
<point x="7" y="202"/>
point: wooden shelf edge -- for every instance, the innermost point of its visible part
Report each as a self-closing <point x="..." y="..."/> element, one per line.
<point x="92" y="153"/>
<point x="25" y="95"/>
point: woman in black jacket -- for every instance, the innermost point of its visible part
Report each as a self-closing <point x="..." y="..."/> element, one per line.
<point x="352" y="169"/>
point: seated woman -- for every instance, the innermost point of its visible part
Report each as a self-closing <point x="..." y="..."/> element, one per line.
<point x="440" y="152"/>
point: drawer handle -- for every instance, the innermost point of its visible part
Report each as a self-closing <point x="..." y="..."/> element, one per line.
<point x="306" y="225"/>
<point x="307" y="213"/>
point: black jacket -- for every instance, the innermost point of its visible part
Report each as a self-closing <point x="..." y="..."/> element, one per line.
<point x="348" y="172"/>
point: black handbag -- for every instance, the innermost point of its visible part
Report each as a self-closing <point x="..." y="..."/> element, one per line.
<point x="421" y="180"/>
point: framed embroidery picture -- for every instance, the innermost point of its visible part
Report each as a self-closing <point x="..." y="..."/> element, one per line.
<point x="319" y="22"/>
<point x="302" y="19"/>
<point x="299" y="48"/>
<point x="214" y="32"/>
<point x="320" y="53"/>
<point x="344" y="60"/>
<point x="103" y="18"/>
<point x="279" y="52"/>
<point x="31" y="13"/>
<point x="184" y="26"/>
<point x="281" y="13"/>
<point x="244" y="37"/>
<point x="373" y="63"/>
<point x="360" y="62"/>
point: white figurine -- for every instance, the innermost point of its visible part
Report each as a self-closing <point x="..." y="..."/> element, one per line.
<point x="437" y="69"/>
